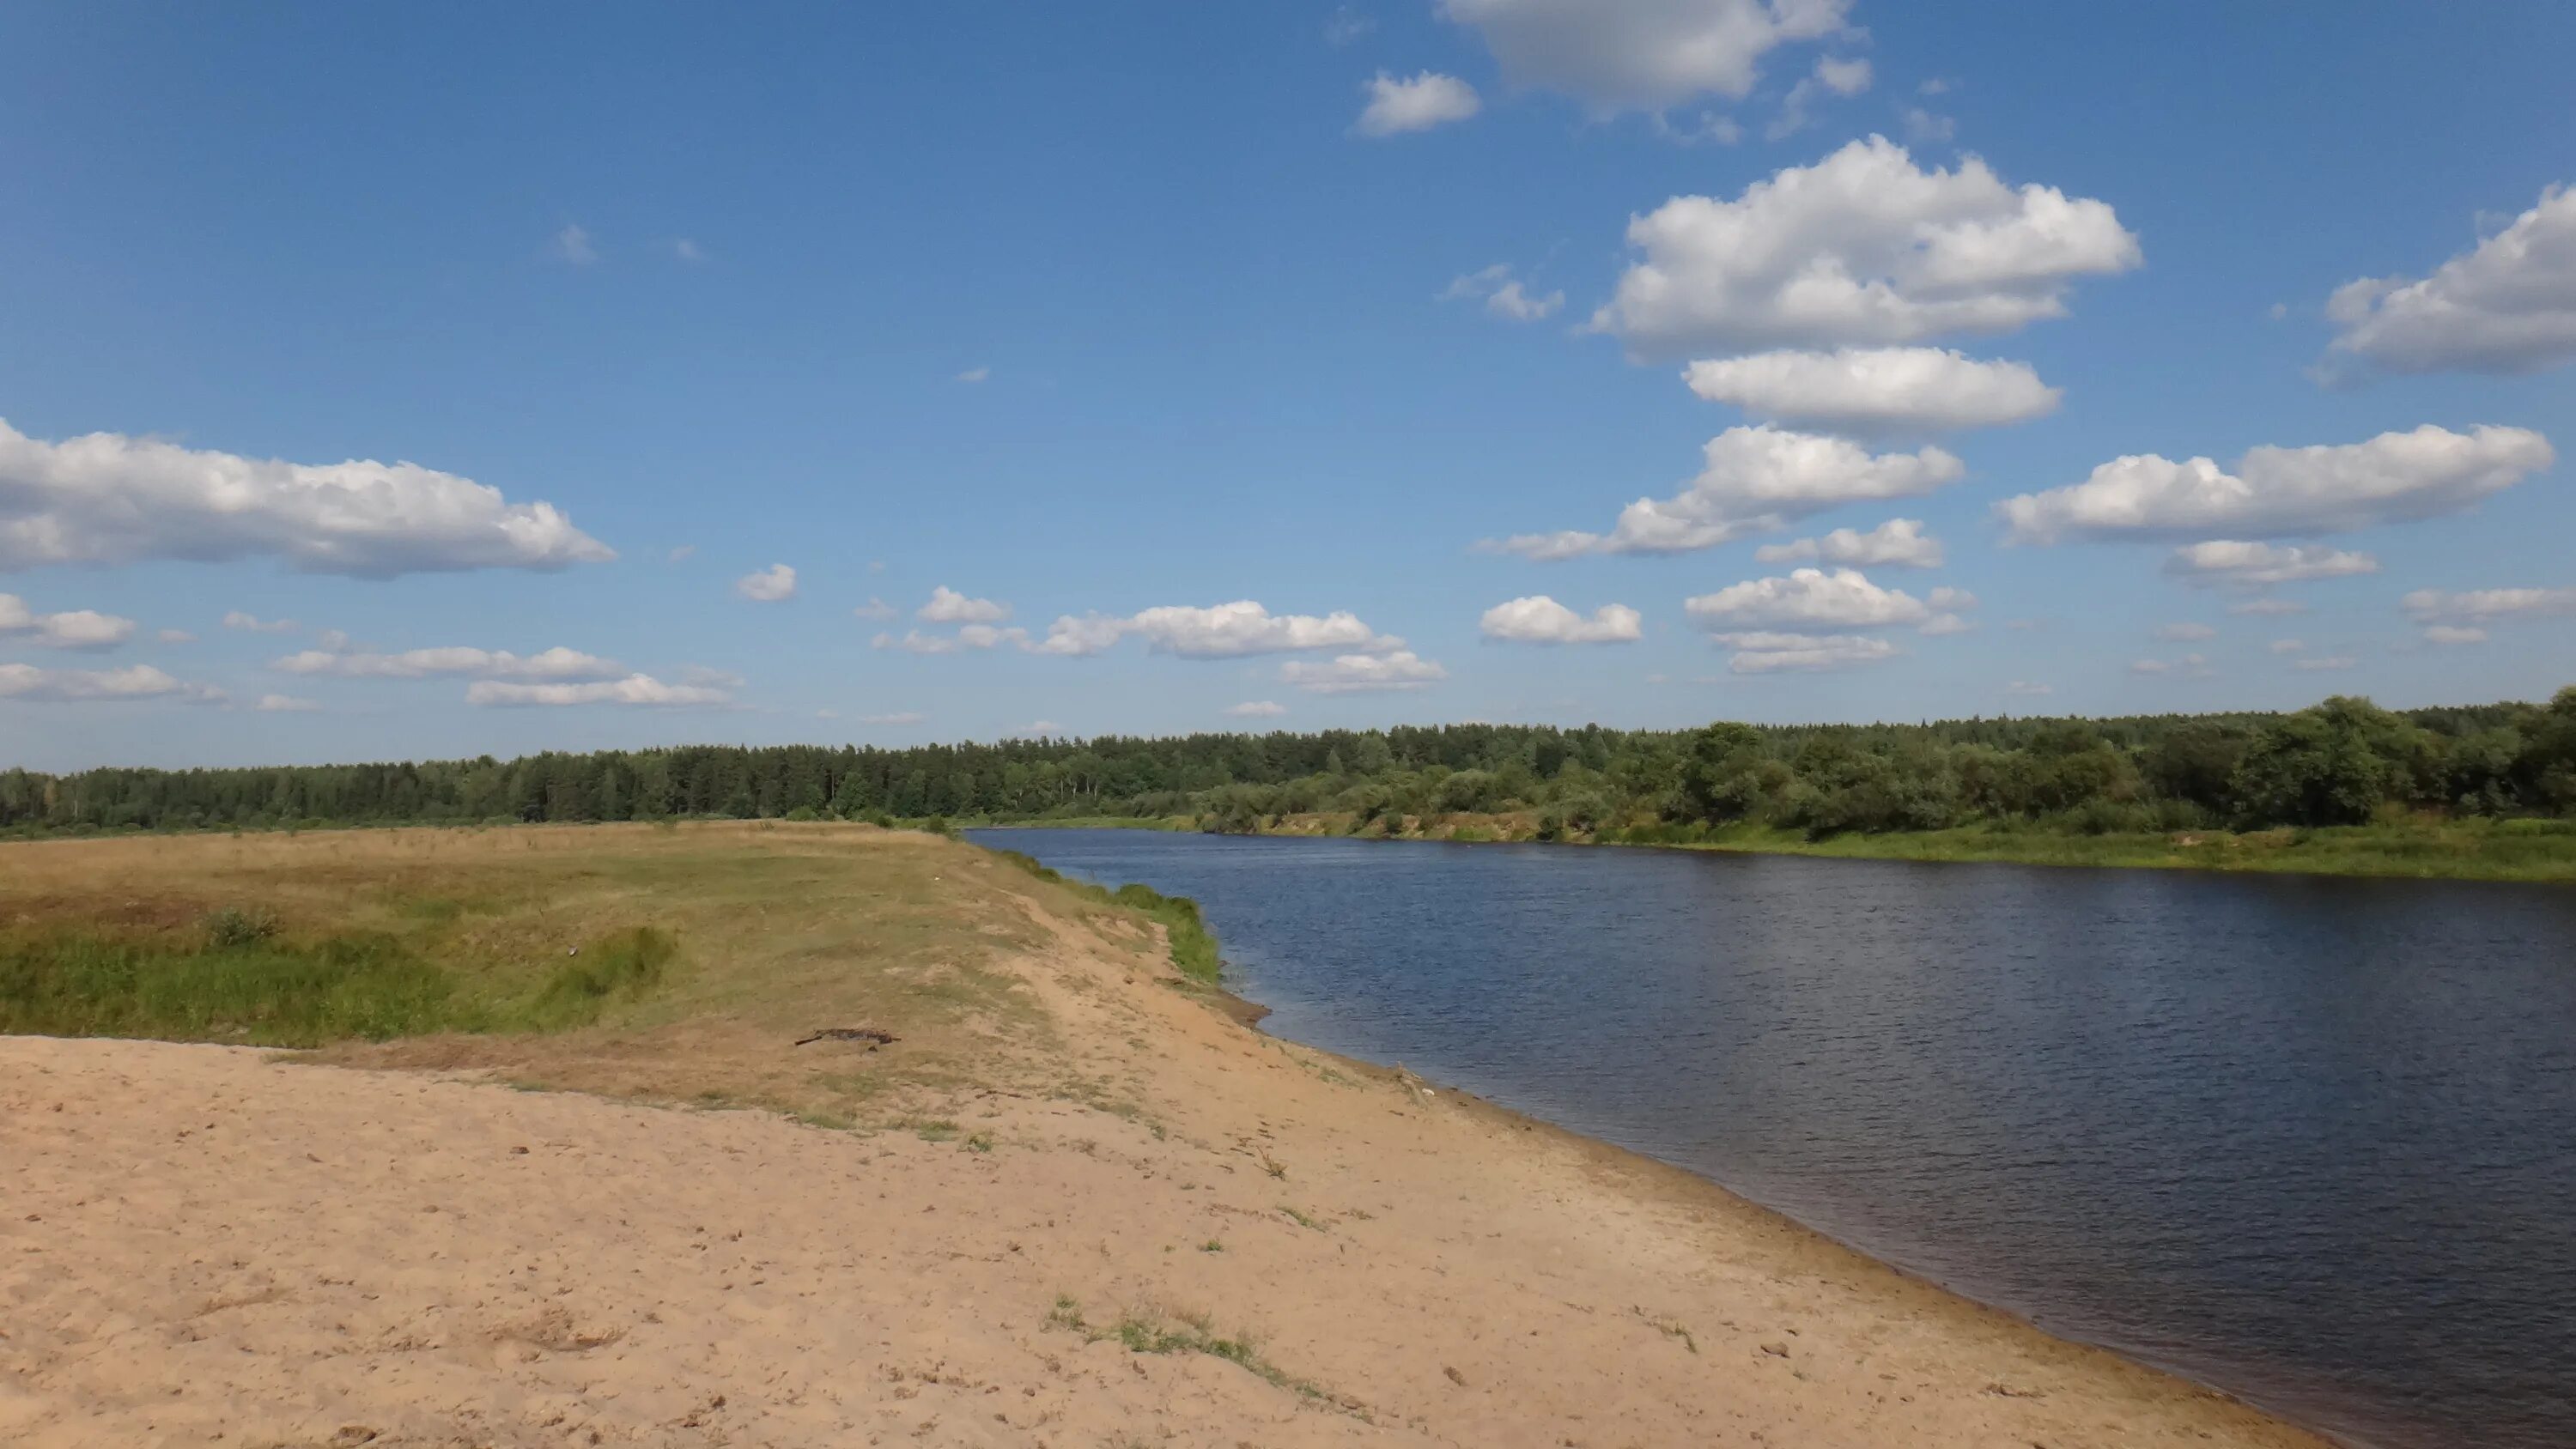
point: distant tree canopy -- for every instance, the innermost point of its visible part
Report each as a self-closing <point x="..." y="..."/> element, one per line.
<point x="2341" y="762"/>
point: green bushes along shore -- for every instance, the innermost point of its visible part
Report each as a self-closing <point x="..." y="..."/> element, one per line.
<point x="2482" y="789"/>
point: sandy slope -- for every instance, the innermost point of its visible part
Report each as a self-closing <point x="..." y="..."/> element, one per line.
<point x="205" y="1245"/>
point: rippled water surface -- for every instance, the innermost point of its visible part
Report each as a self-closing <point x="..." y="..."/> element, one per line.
<point x="2310" y="1140"/>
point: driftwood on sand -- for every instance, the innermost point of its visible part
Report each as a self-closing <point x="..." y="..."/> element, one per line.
<point x="869" y="1034"/>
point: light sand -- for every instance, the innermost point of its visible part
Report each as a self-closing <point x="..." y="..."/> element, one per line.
<point x="210" y="1245"/>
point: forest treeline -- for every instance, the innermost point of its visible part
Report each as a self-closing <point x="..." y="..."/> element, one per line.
<point x="2342" y="762"/>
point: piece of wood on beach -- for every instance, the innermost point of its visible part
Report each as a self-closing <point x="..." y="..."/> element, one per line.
<point x="869" y="1034"/>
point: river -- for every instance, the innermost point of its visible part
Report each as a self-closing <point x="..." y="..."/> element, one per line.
<point x="2309" y="1140"/>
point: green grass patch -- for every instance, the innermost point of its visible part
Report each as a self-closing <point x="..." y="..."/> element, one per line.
<point x="623" y="965"/>
<point x="245" y="982"/>
<point x="1193" y="946"/>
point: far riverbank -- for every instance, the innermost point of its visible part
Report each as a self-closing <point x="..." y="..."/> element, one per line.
<point x="2418" y="849"/>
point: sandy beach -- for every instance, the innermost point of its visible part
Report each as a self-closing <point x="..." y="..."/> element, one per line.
<point x="1235" y="1241"/>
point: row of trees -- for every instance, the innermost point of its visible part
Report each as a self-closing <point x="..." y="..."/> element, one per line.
<point x="2341" y="762"/>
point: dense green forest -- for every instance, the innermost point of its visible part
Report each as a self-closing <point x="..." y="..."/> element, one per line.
<point x="2339" y="763"/>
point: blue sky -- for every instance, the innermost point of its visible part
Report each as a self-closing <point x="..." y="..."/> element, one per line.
<point x="1118" y="314"/>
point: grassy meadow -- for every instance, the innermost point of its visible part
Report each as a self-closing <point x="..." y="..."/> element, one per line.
<point x="679" y="962"/>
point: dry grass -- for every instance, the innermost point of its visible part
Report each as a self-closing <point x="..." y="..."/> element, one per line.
<point x="781" y="930"/>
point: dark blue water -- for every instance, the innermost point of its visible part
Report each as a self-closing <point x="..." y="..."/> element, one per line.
<point x="2312" y="1141"/>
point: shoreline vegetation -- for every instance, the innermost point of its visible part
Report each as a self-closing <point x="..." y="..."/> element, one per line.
<point x="2344" y="787"/>
<point x="1091" y="1199"/>
<point x="2429" y="847"/>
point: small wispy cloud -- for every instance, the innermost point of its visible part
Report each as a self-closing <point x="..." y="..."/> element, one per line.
<point x="975" y="374"/>
<point x="1503" y="294"/>
<point x="1346" y="25"/>
<point x="771" y="585"/>
<point x="573" y="244"/>
<point x="1398" y="104"/>
<point x="1924" y="127"/>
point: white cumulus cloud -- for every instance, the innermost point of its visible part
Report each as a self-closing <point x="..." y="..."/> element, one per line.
<point x="1811" y="600"/>
<point x="1244" y="627"/>
<point x="1642" y="55"/>
<point x="1897" y="543"/>
<point x="1256" y="709"/>
<point x="2479" y="606"/>
<point x="635" y="689"/>
<point x="70" y="629"/>
<point x="1416" y="103"/>
<point x="875" y="609"/>
<point x="1774" y="652"/>
<point x="1756" y="479"/>
<point x="968" y="636"/>
<point x="1218" y="631"/>
<point x="557" y="663"/>
<point x="2454" y="634"/>
<point x="1875" y="391"/>
<point x="2284" y="492"/>
<point x="1081" y="636"/>
<point x="2508" y="305"/>
<point x="1863" y="247"/>
<point x="1538" y="619"/>
<point x="947" y="606"/>
<point x="771" y="585"/>
<point x="2241" y="564"/>
<point x="109" y="499"/>
<point x="1362" y="673"/>
<point x="81" y="686"/>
